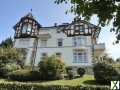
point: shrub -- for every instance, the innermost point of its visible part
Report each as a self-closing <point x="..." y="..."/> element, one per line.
<point x="81" y="71"/>
<point x="34" y="86"/>
<point x="70" y="73"/>
<point x="51" y="68"/>
<point x="68" y="69"/>
<point x="5" y="69"/>
<point x="25" y="75"/>
<point x="105" y="73"/>
<point x="10" y="55"/>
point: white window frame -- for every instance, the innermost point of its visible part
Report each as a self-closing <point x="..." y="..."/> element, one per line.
<point x="58" y="54"/>
<point x="79" y="40"/>
<point x="60" y="40"/>
<point x="80" y="56"/>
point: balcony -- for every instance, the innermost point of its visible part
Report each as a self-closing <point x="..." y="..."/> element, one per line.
<point x="99" y="49"/>
<point x="44" y="35"/>
<point x="100" y="46"/>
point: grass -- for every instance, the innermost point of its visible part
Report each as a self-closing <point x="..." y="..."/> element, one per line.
<point x="74" y="82"/>
<point x="85" y="80"/>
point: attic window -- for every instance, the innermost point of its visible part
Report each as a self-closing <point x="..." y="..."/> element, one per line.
<point x="81" y="28"/>
<point x="77" y="27"/>
<point x="24" y="28"/>
<point x="29" y="27"/>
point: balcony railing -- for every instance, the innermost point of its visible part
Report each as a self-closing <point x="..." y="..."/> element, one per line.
<point x="100" y="46"/>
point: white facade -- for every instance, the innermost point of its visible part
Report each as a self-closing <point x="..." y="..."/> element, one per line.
<point x="51" y="47"/>
<point x="75" y="51"/>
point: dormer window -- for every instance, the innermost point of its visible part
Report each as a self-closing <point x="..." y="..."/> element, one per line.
<point x="29" y="28"/>
<point x="81" y="28"/>
<point x="77" y="27"/>
<point x="24" y="30"/>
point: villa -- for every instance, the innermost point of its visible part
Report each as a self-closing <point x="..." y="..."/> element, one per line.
<point x="76" y="43"/>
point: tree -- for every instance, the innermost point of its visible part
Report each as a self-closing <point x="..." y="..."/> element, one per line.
<point x="7" y="43"/>
<point x="106" y="10"/>
<point x="10" y="55"/>
<point x="105" y="58"/>
<point x="10" y="60"/>
<point x="51" y="68"/>
<point x="81" y="71"/>
<point x="104" y="73"/>
<point x="118" y="60"/>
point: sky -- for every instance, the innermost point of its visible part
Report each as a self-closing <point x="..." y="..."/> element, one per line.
<point x="47" y="13"/>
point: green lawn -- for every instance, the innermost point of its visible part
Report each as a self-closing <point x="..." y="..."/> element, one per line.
<point x="73" y="82"/>
<point x="85" y="80"/>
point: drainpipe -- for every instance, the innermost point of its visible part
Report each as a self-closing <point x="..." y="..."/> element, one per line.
<point x="92" y="50"/>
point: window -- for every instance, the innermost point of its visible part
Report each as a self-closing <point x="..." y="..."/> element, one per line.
<point x="77" y="27"/>
<point x="58" y="55"/>
<point x="29" y="28"/>
<point x="60" y="42"/>
<point x="81" y="28"/>
<point x="24" y="30"/>
<point x="44" y="55"/>
<point x="43" y="43"/>
<point x="79" y="40"/>
<point x="79" y="57"/>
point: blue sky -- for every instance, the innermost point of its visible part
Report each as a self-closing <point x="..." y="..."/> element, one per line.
<point x="46" y="13"/>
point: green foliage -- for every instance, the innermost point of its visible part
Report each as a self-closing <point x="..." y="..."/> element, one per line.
<point x="105" y="73"/>
<point x="106" y="11"/>
<point x="51" y="68"/>
<point x="33" y="86"/>
<point x="81" y="71"/>
<point x="10" y="59"/>
<point x="7" y="43"/>
<point x="6" y="69"/>
<point x="105" y="58"/>
<point x="25" y="75"/>
<point x="118" y="60"/>
<point x="70" y="73"/>
<point x="10" y="55"/>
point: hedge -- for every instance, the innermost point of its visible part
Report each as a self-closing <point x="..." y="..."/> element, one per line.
<point x="38" y="86"/>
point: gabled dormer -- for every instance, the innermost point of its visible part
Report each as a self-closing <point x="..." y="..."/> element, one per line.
<point x="81" y="27"/>
<point x="27" y="27"/>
